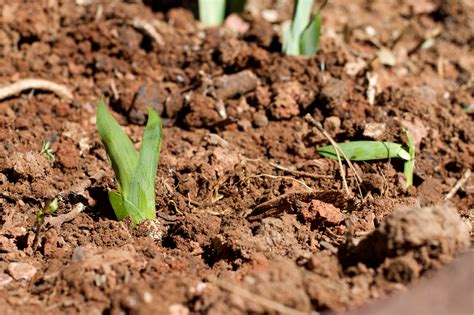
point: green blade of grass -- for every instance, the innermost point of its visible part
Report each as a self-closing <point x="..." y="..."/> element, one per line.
<point x="309" y="42"/>
<point x="301" y="19"/>
<point x="143" y="186"/>
<point x="124" y="208"/>
<point x="409" y="165"/>
<point x="366" y="150"/>
<point x="212" y="12"/>
<point x="119" y="148"/>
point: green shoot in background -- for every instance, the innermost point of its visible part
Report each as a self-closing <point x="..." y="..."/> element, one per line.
<point x="303" y="35"/>
<point x="212" y="12"/>
<point x="135" y="172"/>
<point x="47" y="152"/>
<point x="376" y="150"/>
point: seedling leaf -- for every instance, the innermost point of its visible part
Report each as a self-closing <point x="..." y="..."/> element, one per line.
<point x="119" y="148"/>
<point x="409" y="165"/>
<point x="211" y="12"/>
<point x="366" y="150"/>
<point x="143" y="186"/>
<point x="309" y="43"/>
<point x="135" y="172"/>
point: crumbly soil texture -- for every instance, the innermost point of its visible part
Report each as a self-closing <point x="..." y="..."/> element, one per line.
<point x="250" y="219"/>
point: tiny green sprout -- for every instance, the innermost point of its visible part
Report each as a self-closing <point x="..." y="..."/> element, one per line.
<point x="302" y="37"/>
<point x="47" y="152"/>
<point x="376" y="150"/>
<point x="409" y="165"/>
<point x="135" y="172"/>
<point x="49" y="208"/>
<point x="211" y="12"/>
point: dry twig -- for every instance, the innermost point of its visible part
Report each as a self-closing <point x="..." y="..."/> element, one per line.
<point x="338" y="150"/>
<point x="283" y="177"/>
<point x="149" y="30"/>
<point x="59" y="220"/>
<point x="298" y="173"/>
<point x="458" y="184"/>
<point x="34" y="84"/>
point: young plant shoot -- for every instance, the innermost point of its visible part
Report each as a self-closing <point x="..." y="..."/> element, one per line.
<point x="135" y="172"/>
<point x="212" y="12"/>
<point x="47" y="152"/>
<point x="302" y="37"/>
<point x="376" y="150"/>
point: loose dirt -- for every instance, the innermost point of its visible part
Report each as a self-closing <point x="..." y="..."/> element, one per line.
<point x="250" y="219"/>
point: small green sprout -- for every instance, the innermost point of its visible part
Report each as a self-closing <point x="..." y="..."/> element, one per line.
<point x="211" y="12"/>
<point x="302" y="37"/>
<point x="47" y="152"/>
<point x="135" y="172"/>
<point x="49" y="208"/>
<point x="376" y="150"/>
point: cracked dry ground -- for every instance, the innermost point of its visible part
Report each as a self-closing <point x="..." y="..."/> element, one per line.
<point x="250" y="218"/>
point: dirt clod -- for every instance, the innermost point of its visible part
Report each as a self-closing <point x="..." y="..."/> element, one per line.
<point x="244" y="203"/>
<point x="21" y="271"/>
<point x="431" y="235"/>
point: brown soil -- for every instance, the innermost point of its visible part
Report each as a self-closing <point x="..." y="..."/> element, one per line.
<point x="250" y="218"/>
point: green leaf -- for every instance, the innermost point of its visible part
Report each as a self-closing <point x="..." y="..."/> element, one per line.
<point x="299" y="23"/>
<point x="135" y="172"/>
<point x="409" y="165"/>
<point x="119" y="148"/>
<point x="124" y="208"/>
<point x="143" y="187"/>
<point x="211" y="12"/>
<point x="309" y="41"/>
<point x="301" y="17"/>
<point x="366" y="150"/>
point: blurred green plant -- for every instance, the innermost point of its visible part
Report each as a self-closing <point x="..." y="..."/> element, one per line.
<point x="302" y="37"/>
<point x="376" y="150"/>
<point x="212" y="12"/>
<point x="135" y="172"/>
<point x="47" y="152"/>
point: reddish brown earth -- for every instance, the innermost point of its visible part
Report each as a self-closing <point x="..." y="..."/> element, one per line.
<point x="250" y="218"/>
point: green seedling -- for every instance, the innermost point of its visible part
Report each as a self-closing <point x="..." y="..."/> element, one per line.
<point x="409" y="165"/>
<point x="211" y="12"/>
<point x="376" y="150"/>
<point x="302" y="37"/>
<point x="47" y="152"/>
<point x="135" y="172"/>
<point x="50" y="207"/>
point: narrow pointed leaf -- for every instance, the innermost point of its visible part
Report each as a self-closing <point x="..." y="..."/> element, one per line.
<point x="409" y="165"/>
<point x="119" y="148"/>
<point x="143" y="187"/>
<point x="309" y="41"/>
<point x="116" y="201"/>
<point x="301" y="19"/>
<point x="124" y="208"/>
<point x="212" y="12"/>
<point x="366" y="150"/>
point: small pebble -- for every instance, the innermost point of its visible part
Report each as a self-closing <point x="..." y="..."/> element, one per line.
<point x="374" y="130"/>
<point x="260" y="120"/>
<point x="21" y="271"/>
